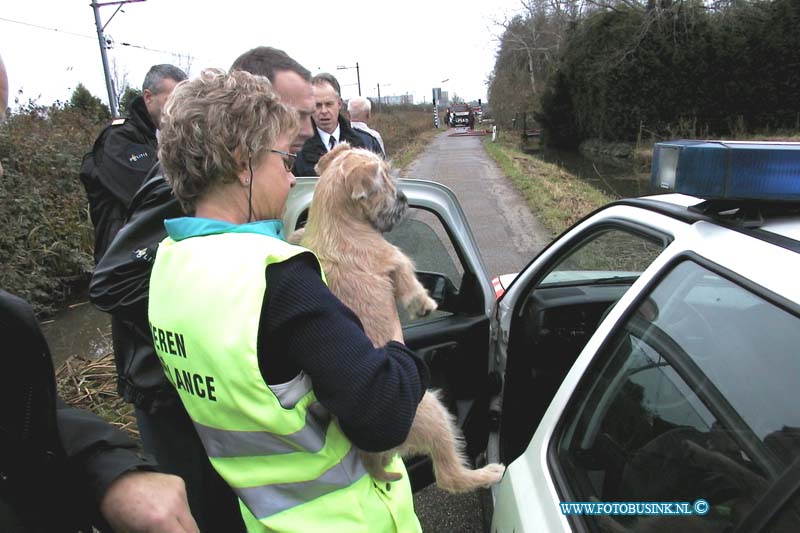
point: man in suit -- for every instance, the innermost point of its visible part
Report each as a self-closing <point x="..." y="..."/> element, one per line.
<point x="331" y="127"/>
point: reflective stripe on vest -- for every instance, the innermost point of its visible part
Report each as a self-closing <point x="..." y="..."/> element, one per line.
<point x="224" y="443"/>
<point x="268" y="500"/>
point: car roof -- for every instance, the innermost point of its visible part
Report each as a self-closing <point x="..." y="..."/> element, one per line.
<point x="776" y="222"/>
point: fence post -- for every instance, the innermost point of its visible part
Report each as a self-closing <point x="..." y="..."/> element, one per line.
<point x="524" y="124"/>
<point x="639" y="136"/>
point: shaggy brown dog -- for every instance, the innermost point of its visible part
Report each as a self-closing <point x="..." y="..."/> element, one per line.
<point x="355" y="201"/>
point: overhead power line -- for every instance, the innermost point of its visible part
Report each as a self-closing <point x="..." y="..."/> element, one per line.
<point x="94" y="37"/>
<point x="47" y="28"/>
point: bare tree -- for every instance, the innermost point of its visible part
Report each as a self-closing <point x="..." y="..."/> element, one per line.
<point x="119" y="80"/>
<point x="184" y="62"/>
<point x="539" y="35"/>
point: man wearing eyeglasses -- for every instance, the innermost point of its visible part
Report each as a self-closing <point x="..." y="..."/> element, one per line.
<point x="120" y="285"/>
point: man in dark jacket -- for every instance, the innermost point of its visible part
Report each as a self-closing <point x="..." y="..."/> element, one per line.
<point x="62" y="468"/>
<point x="331" y="127"/>
<point x="120" y="286"/>
<point x="123" y="154"/>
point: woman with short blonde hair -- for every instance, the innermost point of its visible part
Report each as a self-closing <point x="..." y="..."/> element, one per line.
<point x="215" y="124"/>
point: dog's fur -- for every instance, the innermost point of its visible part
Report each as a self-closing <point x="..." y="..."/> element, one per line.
<point x="355" y="201"/>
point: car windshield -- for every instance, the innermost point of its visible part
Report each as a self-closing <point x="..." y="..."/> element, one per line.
<point x="612" y="256"/>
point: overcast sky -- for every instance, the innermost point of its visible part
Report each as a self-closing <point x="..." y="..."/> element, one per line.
<point x="407" y="46"/>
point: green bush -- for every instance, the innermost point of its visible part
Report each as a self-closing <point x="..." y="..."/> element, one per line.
<point x="128" y="96"/>
<point x="557" y="115"/>
<point x="89" y="105"/>
<point x="47" y="239"/>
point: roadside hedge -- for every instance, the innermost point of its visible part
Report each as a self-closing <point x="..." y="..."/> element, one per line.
<point x="681" y="72"/>
<point x="46" y="241"/>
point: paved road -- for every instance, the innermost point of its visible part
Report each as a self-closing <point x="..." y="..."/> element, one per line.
<point x="508" y="235"/>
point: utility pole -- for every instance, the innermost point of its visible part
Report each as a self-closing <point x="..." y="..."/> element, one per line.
<point x="358" y="75"/>
<point x="380" y="100"/>
<point x="112" y="96"/>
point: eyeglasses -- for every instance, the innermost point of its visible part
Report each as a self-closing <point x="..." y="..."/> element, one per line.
<point x="288" y="158"/>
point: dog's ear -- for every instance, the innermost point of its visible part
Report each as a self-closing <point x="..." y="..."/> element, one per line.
<point x="328" y="158"/>
<point x="362" y="179"/>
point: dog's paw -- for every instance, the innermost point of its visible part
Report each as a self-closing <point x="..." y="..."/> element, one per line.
<point x="422" y="305"/>
<point x="465" y="480"/>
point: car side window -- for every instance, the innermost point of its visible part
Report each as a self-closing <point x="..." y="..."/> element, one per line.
<point x="422" y="237"/>
<point x="559" y="316"/>
<point x="668" y="411"/>
<point x="607" y="254"/>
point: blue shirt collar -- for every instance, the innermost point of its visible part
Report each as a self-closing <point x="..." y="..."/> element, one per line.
<point x="185" y="227"/>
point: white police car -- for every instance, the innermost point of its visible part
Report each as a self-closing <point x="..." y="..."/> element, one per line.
<point x="647" y="362"/>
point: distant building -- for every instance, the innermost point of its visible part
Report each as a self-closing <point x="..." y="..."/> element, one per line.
<point x="441" y="97"/>
<point x="402" y="99"/>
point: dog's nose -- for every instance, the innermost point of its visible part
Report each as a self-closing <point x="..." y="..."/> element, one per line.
<point x="402" y="197"/>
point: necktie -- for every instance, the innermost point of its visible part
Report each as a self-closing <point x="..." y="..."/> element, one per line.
<point x="332" y="142"/>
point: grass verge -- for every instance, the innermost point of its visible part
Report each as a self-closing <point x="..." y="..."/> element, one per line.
<point x="406" y="130"/>
<point x="556" y="197"/>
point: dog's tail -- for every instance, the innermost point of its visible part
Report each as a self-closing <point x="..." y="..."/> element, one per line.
<point x="450" y="464"/>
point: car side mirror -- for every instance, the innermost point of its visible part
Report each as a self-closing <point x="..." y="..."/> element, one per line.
<point x="440" y="288"/>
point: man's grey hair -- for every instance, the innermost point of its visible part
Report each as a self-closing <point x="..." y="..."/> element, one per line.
<point x="330" y="79"/>
<point x="268" y="61"/>
<point x="359" y="106"/>
<point x="158" y="73"/>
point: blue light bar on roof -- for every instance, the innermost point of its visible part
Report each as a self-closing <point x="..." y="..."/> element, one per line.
<point x="728" y="169"/>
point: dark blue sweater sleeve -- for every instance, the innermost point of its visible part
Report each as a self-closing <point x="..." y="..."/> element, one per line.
<point x="374" y="392"/>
